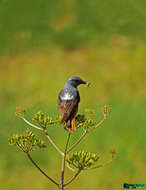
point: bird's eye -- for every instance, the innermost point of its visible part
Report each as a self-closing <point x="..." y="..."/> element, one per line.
<point x="77" y="80"/>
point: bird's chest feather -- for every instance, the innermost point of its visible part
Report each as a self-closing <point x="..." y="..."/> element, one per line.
<point x="68" y="94"/>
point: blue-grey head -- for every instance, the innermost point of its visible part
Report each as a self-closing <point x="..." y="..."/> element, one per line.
<point x="76" y="81"/>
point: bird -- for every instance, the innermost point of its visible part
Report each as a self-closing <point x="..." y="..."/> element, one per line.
<point x="68" y="101"/>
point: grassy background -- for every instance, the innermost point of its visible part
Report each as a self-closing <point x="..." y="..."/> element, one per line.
<point x="44" y="43"/>
<point x="72" y="24"/>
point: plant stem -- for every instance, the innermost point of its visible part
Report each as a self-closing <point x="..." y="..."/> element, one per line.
<point x="98" y="125"/>
<point x="20" y="148"/>
<point x="32" y="125"/>
<point x="67" y="165"/>
<point x="34" y="163"/>
<point x="73" y="178"/>
<point x="51" y="141"/>
<point x="46" y="133"/>
<point x="101" y="165"/>
<point x="84" y="134"/>
<point x="63" y="162"/>
<point x="77" y="142"/>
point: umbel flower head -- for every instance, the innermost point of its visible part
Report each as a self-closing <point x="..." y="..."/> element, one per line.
<point x="42" y="119"/>
<point x="20" y="112"/>
<point x="83" y="122"/>
<point x="27" y="141"/>
<point x="82" y="160"/>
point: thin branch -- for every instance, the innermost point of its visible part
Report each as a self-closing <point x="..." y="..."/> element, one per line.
<point x="20" y="147"/>
<point x="77" y="142"/>
<point x="67" y="165"/>
<point x="51" y="141"/>
<point x="63" y="162"/>
<point x="34" y="163"/>
<point x="98" y="125"/>
<point x="101" y="165"/>
<point x="32" y="125"/>
<point x="73" y="178"/>
<point x="84" y="134"/>
<point x="46" y="133"/>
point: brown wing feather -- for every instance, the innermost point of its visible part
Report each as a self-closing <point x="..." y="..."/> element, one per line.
<point x="68" y="108"/>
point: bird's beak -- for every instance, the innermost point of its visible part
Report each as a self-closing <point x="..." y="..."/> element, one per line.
<point x="87" y="84"/>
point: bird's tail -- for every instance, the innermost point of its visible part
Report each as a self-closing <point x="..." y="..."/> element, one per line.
<point x="71" y="124"/>
<point x="73" y="127"/>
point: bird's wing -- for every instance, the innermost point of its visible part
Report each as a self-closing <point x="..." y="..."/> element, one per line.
<point x="68" y="108"/>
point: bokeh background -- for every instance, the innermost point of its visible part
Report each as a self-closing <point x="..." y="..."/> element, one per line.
<point x="42" y="44"/>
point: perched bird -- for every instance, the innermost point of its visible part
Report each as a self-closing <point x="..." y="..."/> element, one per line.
<point x="68" y="100"/>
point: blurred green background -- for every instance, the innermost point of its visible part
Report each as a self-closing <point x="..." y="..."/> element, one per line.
<point x="42" y="44"/>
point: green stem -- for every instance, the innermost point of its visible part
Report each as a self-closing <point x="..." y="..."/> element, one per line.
<point x="46" y="133"/>
<point x="84" y="134"/>
<point x="63" y="162"/>
<point x="98" y="125"/>
<point x="34" y="163"/>
<point x="32" y="125"/>
<point x="101" y="165"/>
<point x="77" y="142"/>
<point x="54" y="145"/>
<point x="73" y="178"/>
